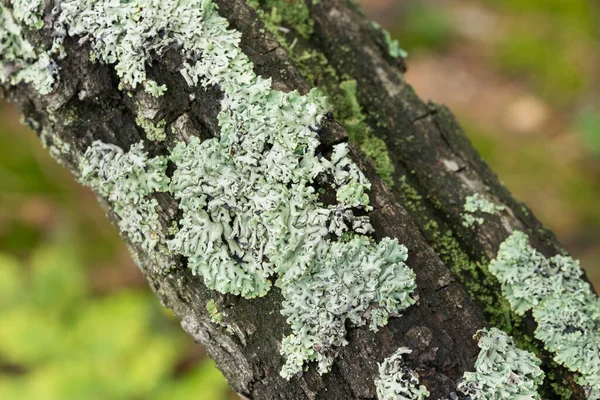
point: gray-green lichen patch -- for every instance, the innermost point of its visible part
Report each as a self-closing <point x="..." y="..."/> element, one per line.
<point x="251" y="210"/>
<point x="339" y="288"/>
<point x="155" y="89"/>
<point x="502" y="371"/>
<point x="564" y="306"/>
<point x="20" y="62"/>
<point x="476" y="204"/>
<point x="393" y="45"/>
<point x="126" y="34"/>
<point x="126" y="179"/>
<point x="29" y="12"/>
<point x="213" y="311"/>
<point x="397" y="381"/>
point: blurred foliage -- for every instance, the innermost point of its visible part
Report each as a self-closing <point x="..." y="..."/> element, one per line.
<point x="588" y="124"/>
<point x="424" y="27"/>
<point x="58" y="341"/>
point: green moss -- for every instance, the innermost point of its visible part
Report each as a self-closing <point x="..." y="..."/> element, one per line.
<point x="292" y="13"/>
<point x="154" y="131"/>
<point x="350" y="114"/>
<point x="213" y="312"/>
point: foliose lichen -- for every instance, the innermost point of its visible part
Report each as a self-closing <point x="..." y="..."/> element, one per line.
<point x="251" y="214"/>
<point x="19" y="60"/>
<point x="154" y="88"/>
<point x="393" y="45"/>
<point x="564" y="306"/>
<point x="126" y="179"/>
<point x="397" y="381"/>
<point x="339" y="288"/>
<point x="477" y="204"/>
<point x="29" y="12"/>
<point x="127" y="34"/>
<point x="502" y="371"/>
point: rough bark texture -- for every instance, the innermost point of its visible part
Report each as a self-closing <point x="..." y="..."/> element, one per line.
<point x="435" y="169"/>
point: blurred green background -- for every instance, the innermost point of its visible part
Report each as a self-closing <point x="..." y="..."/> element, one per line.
<point x="77" y="320"/>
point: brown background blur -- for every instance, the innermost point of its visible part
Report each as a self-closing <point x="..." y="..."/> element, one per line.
<point x="76" y="317"/>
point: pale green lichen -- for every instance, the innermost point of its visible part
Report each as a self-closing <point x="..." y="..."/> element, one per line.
<point x="393" y="45"/>
<point x="155" y="89"/>
<point x="477" y="204"/>
<point x="126" y="179"/>
<point x="379" y="317"/>
<point x="20" y="62"/>
<point x="126" y="34"/>
<point x="250" y="210"/>
<point x="502" y="371"/>
<point x="397" y="381"/>
<point x="29" y="12"/>
<point x="564" y="306"/>
<point x="154" y="131"/>
<point x="339" y="288"/>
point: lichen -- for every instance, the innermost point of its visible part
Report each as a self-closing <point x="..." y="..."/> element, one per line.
<point x="126" y="34"/>
<point x="397" y="381"/>
<point x="20" y="61"/>
<point x="339" y="288"/>
<point x="29" y="12"/>
<point x="564" y="306"/>
<point x="477" y="204"/>
<point x="393" y="45"/>
<point x="126" y="179"/>
<point x="155" y="89"/>
<point x="154" y="131"/>
<point x="502" y="371"/>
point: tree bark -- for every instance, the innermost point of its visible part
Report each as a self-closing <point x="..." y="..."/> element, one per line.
<point x="435" y="169"/>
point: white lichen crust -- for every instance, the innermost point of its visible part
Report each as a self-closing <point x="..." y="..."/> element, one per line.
<point x="502" y="371"/>
<point x="564" y="306"/>
<point x="397" y="381"/>
<point x="126" y="179"/>
<point x="476" y="204"/>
